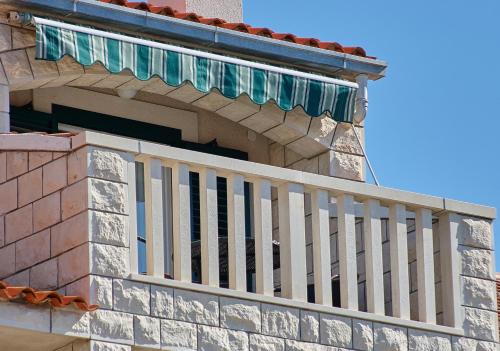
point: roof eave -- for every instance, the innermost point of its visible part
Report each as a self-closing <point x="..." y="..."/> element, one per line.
<point x="137" y="21"/>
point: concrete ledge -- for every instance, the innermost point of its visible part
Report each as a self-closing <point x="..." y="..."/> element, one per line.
<point x="34" y="142"/>
<point x="296" y="304"/>
<point x="470" y="209"/>
<point x="105" y="140"/>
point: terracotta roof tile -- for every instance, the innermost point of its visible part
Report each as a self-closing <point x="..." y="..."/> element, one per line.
<point x="189" y="16"/>
<point x="264" y="32"/>
<point x="166" y="11"/>
<point x="241" y="27"/>
<point x="355" y="51"/>
<point x="308" y="41"/>
<point x="334" y="46"/>
<point x="285" y="36"/>
<point x="35" y="297"/>
<point x="212" y="21"/>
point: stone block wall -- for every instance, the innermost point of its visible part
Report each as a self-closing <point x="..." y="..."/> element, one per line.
<point x="345" y="159"/>
<point x="62" y="217"/>
<point x="141" y="316"/>
<point x="31" y="187"/>
<point x="479" y="300"/>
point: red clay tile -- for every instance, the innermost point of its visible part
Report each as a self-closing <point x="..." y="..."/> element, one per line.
<point x="35" y="297"/>
<point x="285" y="37"/>
<point x="241" y="27"/>
<point x="308" y="41"/>
<point x="190" y="16"/>
<point x="165" y="11"/>
<point x="355" y="51"/>
<point x="212" y="21"/>
<point x="263" y="32"/>
<point x="328" y="45"/>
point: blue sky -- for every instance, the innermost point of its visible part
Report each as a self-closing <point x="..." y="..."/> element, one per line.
<point x="434" y="121"/>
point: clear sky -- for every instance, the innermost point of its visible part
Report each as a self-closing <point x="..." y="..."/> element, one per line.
<point x="434" y="120"/>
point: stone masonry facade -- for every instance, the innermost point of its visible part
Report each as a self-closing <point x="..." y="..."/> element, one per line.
<point x="64" y="225"/>
<point x="155" y="317"/>
<point x="55" y="219"/>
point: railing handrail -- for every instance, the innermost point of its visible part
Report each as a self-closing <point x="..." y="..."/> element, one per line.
<point x="361" y="191"/>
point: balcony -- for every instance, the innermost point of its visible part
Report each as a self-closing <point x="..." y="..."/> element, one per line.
<point x="292" y="238"/>
<point x="208" y="245"/>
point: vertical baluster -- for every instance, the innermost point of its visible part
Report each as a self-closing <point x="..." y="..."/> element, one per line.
<point x="399" y="261"/>
<point x="263" y="237"/>
<point x="347" y="252"/>
<point x="373" y="257"/>
<point x="292" y="241"/>
<point x="209" y="228"/>
<point x="134" y="261"/>
<point x="425" y="266"/>
<point x="321" y="247"/>
<point x="236" y="232"/>
<point x="450" y="284"/>
<point x="154" y="217"/>
<point x="181" y="213"/>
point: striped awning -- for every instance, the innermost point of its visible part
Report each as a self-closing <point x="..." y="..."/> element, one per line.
<point x="175" y="65"/>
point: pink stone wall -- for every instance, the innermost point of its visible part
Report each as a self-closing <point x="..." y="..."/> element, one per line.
<point x="39" y="245"/>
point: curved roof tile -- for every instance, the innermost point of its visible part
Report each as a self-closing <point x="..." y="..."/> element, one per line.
<point x="241" y="27"/>
<point x="36" y="297"/>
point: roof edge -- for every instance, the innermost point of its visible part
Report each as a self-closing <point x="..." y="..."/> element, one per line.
<point x="137" y="21"/>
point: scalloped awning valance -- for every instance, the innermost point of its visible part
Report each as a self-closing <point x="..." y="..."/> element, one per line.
<point x="206" y="71"/>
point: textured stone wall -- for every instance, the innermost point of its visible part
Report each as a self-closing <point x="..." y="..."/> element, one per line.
<point x="31" y="188"/>
<point x="62" y="216"/>
<point x="229" y="10"/>
<point x="475" y="238"/>
<point x="344" y="160"/>
<point x="139" y="315"/>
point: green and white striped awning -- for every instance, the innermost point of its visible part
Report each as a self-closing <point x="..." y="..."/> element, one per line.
<point x="205" y="71"/>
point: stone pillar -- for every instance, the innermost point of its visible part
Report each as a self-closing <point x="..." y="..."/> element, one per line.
<point x="4" y="109"/>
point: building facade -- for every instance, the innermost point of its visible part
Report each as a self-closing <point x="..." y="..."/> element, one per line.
<point x="172" y="178"/>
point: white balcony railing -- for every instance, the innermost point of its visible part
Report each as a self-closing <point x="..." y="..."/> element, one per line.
<point x="167" y="218"/>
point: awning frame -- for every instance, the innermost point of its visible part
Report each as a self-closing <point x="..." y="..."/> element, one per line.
<point x="326" y="102"/>
<point x="182" y="50"/>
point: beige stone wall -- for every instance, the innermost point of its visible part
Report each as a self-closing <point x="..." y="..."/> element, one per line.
<point x="229" y="10"/>
<point x="344" y="160"/>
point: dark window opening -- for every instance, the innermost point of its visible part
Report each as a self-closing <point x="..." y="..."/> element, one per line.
<point x="141" y="218"/>
<point x="25" y="119"/>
